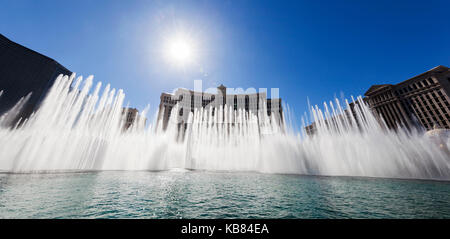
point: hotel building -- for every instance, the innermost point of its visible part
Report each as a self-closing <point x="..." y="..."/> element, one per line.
<point x="352" y="113"/>
<point x="419" y="102"/>
<point x="130" y="117"/>
<point x="188" y="100"/>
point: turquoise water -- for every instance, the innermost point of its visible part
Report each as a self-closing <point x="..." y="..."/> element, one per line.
<point x="196" y="194"/>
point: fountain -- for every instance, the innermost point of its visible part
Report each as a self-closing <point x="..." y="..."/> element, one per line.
<point x="78" y="127"/>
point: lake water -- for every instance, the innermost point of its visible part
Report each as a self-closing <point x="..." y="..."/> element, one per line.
<point x="202" y="194"/>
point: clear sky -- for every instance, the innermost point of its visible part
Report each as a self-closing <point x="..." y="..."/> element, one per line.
<point x="315" y="49"/>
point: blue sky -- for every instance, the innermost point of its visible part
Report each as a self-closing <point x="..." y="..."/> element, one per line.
<point x="315" y="49"/>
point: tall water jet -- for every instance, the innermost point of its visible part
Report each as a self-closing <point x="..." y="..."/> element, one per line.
<point x="7" y="119"/>
<point x="79" y="126"/>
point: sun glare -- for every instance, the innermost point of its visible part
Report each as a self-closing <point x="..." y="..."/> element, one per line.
<point x="180" y="51"/>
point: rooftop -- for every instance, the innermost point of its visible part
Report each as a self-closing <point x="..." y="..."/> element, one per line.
<point x="434" y="70"/>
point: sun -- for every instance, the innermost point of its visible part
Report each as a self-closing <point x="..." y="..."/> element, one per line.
<point x="180" y="50"/>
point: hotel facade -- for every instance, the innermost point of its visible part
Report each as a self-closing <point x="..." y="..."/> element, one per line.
<point x="187" y="101"/>
<point x="422" y="101"/>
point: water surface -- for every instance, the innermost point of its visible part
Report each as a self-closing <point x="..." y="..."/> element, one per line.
<point x="201" y="194"/>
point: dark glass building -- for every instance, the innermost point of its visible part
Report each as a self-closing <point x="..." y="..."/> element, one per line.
<point x="23" y="71"/>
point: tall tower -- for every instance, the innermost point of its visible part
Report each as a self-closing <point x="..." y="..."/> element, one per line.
<point x="223" y="91"/>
